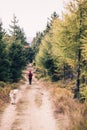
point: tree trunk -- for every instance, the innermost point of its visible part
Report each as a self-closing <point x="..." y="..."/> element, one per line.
<point x="77" y="90"/>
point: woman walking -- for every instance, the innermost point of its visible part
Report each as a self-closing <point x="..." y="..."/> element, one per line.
<point x="30" y="77"/>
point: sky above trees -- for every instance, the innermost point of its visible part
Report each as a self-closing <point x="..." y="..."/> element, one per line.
<point x="32" y="14"/>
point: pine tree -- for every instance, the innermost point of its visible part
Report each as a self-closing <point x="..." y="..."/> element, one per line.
<point x="17" y="33"/>
<point x="14" y="27"/>
<point x="4" y="59"/>
<point x="18" y="61"/>
<point x="36" y="43"/>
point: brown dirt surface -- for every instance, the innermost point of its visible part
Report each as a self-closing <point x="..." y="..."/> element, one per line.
<point x="32" y="111"/>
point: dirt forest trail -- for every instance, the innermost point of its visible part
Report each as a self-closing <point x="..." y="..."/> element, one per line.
<point x="33" y="110"/>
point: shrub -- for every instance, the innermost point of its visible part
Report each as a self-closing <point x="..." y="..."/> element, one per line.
<point x="2" y="84"/>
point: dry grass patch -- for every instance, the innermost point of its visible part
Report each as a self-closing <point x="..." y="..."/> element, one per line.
<point x="66" y="106"/>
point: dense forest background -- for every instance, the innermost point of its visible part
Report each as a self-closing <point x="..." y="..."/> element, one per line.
<point x="60" y="51"/>
<point x="14" y="52"/>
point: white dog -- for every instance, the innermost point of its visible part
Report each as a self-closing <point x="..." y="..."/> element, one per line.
<point x="13" y="95"/>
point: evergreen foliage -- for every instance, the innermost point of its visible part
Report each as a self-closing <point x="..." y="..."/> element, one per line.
<point x="63" y="49"/>
<point x="16" y="32"/>
<point x="29" y="54"/>
<point x="17" y="59"/>
<point x="13" y="56"/>
<point x="36" y="43"/>
<point x="4" y="60"/>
